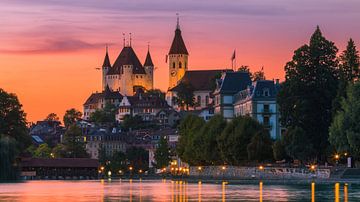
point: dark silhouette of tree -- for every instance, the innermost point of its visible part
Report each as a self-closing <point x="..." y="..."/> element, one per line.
<point x="185" y="96"/>
<point x="71" y="117"/>
<point x="52" y="117"/>
<point x="310" y="86"/>
<point x="162" y="154"/>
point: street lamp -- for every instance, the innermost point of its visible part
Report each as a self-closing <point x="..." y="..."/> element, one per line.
<point x="261" y="167"/>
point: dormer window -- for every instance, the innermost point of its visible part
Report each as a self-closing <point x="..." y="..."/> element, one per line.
<point x="266" y="92"/>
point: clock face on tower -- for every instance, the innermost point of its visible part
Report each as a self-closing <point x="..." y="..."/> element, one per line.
<point x="173" y="73"/>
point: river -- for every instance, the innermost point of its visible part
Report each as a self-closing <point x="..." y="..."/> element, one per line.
<point x="167" y="190"/>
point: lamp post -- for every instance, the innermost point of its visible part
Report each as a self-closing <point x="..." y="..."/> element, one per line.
<point x="130" y="169"/>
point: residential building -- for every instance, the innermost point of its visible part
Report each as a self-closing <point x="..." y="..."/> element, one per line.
<point x="259" y="102"/>
<point x="227" y="86"/>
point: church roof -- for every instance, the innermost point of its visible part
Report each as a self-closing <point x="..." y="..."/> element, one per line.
<point x="200" y="80"/>
<point x="106" y="60"/>
<point x="178" y="45"/>
<point x="127" y="57"/>
<point x="148" y="60"/>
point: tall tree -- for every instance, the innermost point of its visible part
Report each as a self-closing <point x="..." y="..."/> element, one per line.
<point x="348" y="73"/>
<point x="210" y="132"/>
<point x="52" y="117"/>
<point x="74" y="143"/>
<point x="306" y="96"/>
<point x="71" y="117"/>
<point x="188" y="129"/>
<point x="162" y="154"/>
<point x="297" y="145"/>
<point x="185" y="96"/>
<point x="14" y="136"/>
<point x="349" y="62"/>
<point x="345" y="128"/>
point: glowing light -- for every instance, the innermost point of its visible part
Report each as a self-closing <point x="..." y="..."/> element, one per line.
<point x="337" y="156"/>
<point x="130" y="168"/>
<point x="261" y="167"/>
<point x="223" y="168"/>
<point x="109" y="173"/>
<point x="140" y="171"/>
<point x="199" y="168"/>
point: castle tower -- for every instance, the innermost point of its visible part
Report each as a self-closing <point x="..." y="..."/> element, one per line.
<point x="105" y="68"/>
<point x="178" y="58"/>
<point x="149" y="69"/>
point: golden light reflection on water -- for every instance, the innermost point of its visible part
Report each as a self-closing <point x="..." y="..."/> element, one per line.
<point x="261" y="191"/>
<point x="345" y="192"/>
<point x="313" y="192"/>
<point x="337" y="192"/>
<point x="166" y="190"/>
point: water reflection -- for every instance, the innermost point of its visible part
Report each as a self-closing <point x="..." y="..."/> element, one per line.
<point x="175" y="191"/>
<point x="313" y="192"/>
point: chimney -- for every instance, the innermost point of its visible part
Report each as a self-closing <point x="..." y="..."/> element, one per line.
<point x="277" y="82"/>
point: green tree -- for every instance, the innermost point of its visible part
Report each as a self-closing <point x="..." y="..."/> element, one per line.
<point x="345" y="130"/>
<point x="118" y="162"/>
<point x="162" y="154"/>
<point x="348" y="73"/>
<point x="8" y="153"/>
<point x="297" y="145"/>
<point x="43" y="151"/>
<point x="258" y="75"/>
<point x="52" y="117"/>
<point x="260" y="147"/>
<point x="74" y="144"/>
<point x="104" y="116"/>
<point x="188" y="128"/>
<point x="349" y="62"/>
<point x="279" y="150"/>
<point x="59" y="151"/>
<point x="185" y="95"/>
<point x="71" y="117"/>
<point x="306" y="96"/>
<point x="132" y="122"/>
<point x="14" y="136"/>
<point x="210" y="132"/>
<point x="138" y="158"/>
<point x="235" y="137"/>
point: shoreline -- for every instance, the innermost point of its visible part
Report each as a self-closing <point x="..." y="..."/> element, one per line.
<point x="352" y="181"/>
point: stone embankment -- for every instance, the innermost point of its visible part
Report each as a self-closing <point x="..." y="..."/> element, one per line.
<point x="235" y="172"/>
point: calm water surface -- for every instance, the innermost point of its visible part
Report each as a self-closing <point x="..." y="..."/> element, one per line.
<point x="177" y="191"/>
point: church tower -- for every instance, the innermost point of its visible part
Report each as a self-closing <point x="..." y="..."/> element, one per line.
<point x="178" y="58"/>
<point x="105" y="68"/>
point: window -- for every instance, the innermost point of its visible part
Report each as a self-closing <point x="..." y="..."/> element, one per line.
<point x="173" y="65"/>
<point x="266" y="121"/>
<point x="266" y="92"/>
<point x="266" y="107"/>
<point x="199" y="99"/>
<point x="180" y="65"/>
<point x="207" y="100"/>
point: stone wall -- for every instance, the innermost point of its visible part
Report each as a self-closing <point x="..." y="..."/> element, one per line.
<point x="235" y="172"/>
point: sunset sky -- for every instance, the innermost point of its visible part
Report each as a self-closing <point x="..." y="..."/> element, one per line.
<point x="49" y="49"/>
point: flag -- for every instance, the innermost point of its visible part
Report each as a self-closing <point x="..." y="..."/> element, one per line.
<point x="233" y="56"/>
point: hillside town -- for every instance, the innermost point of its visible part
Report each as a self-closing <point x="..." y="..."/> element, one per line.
<point x="209" y="119"/>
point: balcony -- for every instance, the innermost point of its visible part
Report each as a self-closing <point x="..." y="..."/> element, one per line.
<point x="266" y="111"/>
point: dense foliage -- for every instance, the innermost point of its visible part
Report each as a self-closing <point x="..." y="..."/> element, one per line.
<point x="162" y="154"/>
<point x="306" y="96"/>
<point x="216" y="142"/>
<point x="14" y="137"/>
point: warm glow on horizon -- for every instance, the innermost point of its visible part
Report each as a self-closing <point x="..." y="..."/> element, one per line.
<point x="49" y="50"/>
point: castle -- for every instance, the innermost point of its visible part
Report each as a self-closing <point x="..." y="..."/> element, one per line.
<point x="127" y="73"/>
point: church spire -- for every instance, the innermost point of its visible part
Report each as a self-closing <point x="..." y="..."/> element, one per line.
<point x="106" y="59"/>
<point x="178" y="44"/>
<point x="148" y="60"/>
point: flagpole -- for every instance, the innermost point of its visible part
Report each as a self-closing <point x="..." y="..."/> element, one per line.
<point x="235" y="61"/>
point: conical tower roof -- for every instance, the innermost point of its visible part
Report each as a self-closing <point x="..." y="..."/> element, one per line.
<point x="178" y="45"/>
<point x="148" y="60"/>
<point x="106" y="59"/>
